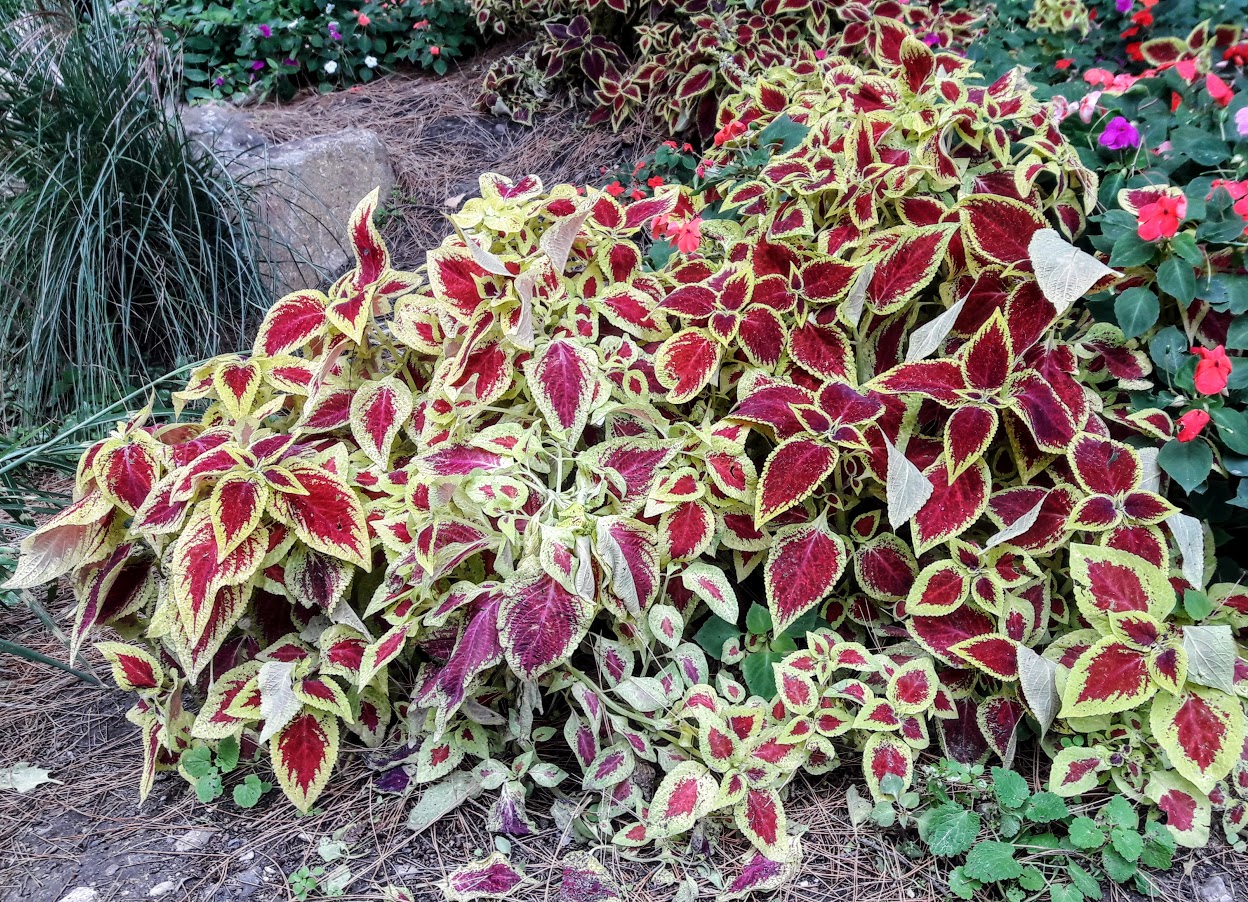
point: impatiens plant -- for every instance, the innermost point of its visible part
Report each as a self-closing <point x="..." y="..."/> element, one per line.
<point x="1174" y="224"/>
<point x="855" y="432"/>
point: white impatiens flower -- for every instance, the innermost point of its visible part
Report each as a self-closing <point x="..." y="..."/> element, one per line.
<point x="331" y="67"/>
<point x="371" y="62"/>
<point x="329" y="9"/>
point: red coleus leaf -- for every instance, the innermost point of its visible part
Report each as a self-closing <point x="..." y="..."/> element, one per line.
<point x="325" y="514"/>
<point x="792" y="473"/>
<point x="292" y="323"/>
<point x="378" y="410"/>
<point x="885" y="568"/>
<point x="303" y="753"/>
<point x="802" y="567"/>
<point x="999" y="229"/>
<point x="126" y="471"/>
<point x="133" y="668"/>
<point x="685" y="363"/>
<point x="908" y="267"/>
<point x="968" y="433"/>
<point x="994" y="654"/>
<point x="687" y="530"/>
<point x="939" y="635"/>
<point x="562" y="377"/>
<point x="1110" y="676"/>
<point x="998" y="719"/>
<point x="954" y="505"/>
<point x="1202" y="731"/>
<point x="540" y="623"/>
<point x="760" y="816"/>
<point x="492" y="878"/>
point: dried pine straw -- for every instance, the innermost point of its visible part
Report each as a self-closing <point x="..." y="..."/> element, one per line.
<point x="79" y="732"/>
<point x="438" y="144"/>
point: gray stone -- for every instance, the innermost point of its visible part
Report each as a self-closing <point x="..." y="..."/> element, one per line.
<point x="192" y="841"/>
<point x="164" y="888"/>
<point x="1215" y="890"/>
<point x="305" y="190"/>
<point x="81" y="894"/>
<point x="248" y="882"/>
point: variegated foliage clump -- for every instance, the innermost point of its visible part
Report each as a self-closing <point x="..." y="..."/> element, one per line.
<point x="484" y="504"/>
<point x="669" y="62"/>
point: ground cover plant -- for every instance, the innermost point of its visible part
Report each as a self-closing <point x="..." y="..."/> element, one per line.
<point x="123" y="252"/>
<point x="671" y="62"/>
<point x="260" y="48"/>
<point x="657" y="499"/>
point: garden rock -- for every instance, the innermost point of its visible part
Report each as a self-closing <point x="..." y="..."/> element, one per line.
<point x="1215" y="890"/>
<point x="304" y="189"/>
<point x="193" y="841"/>
<point x="81" y="894"/>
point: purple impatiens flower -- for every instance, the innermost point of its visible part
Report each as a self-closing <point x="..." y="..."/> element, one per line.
<point x="1123" y="6"/>
<point x="1120" y="134"/>
<point x="266" y="31"/>
<point x="257" y="65"/>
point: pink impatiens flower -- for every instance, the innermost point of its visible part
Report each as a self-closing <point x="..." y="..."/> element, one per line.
<point x="1161" y="218"/>
<point x="1120" y="134"/>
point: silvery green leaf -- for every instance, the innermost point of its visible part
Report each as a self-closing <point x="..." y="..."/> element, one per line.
<point x="23" y="777"/>
<point x="1189" y="535"/>
<point x="859" y="808"/>
<point x="645" y="694"/>
<point x="278" y="705"/>
<point x="857" y="297"/>
<point x="1063" y="272"/>
<point x="557" y="241"/>
<point x="442" y="798"/>
<point x="927" y="338"/>
<point x="584" y="579"/>
<point x="1017" y="528"/>
<point x="344" y="613"/>
<point x="1211" y="656"/>
<point x="622" y="583"/>
<point x="1150" y="470"/>
<point x="485" y="259"/>
<point x="907" y="489"/>
<point x="548" y="775"/>
<point x="1037" y="676"/>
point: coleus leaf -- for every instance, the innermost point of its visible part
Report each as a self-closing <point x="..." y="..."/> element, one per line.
<point x="802" y="567"/>
<point x="888" y="765"/>
<point x="686" y="363"/>
<point x="760" y="816"/>
<point x="540" y="623"/>
<point x="292" y="323"/>
<point x="1186" y="808"/>
<point x="325" y="513"/>
<point x="561" y="379"/>
<point x="907" y="489"/>
<point x="683" y="796"/>
<point x="793" y="471"/>
<point x="378" y="411"/>
<point x="494" y="877"/>
<point x="304" y="752"/>
<point x="1110" y="676"/>
<point x="1202" y="731"/>
<point x="760" y="874"/>
<point x="68" y="539"/>
<point x="710" y="584"/>
<point x="133" y="668"/>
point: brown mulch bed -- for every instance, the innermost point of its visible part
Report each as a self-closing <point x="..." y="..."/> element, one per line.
<point x="439" y="144"/>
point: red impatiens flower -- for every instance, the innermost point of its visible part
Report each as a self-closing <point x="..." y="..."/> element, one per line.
<point x="733" y="129"/>
<point x="1213" y="370"/>
<point x="1191" y="423"/>
<point x="1143" y="17"/>
<point x="1187" y="69"/>
<point x="615" y="189"/>
<point x="1238" y="192"/>
<point x="1236" y="54"/>
<point x="364" y="20"/>
<point x="1063" y="64"/>
<point x="655" y="181"/>
<point x="1161" y="218"/>
<point x="1219" y="90"/>
<point x="1175" y="101"/>
<point x="1134" y="52"/>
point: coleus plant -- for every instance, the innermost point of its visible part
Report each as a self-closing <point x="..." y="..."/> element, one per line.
<point x="670" y="62"/>
<point x="459" y="506"/>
